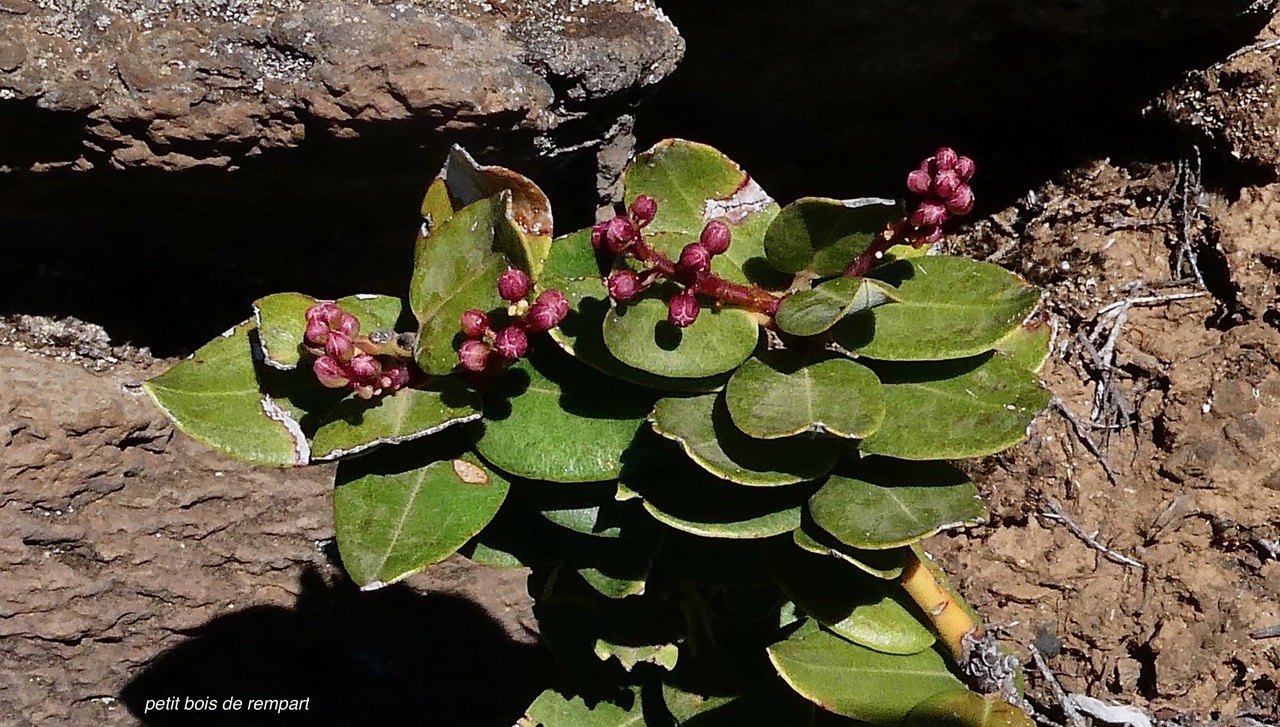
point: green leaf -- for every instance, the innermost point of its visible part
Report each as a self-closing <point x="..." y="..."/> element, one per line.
<point x="703" y="428"/>
<point x="955" y="409"/>
<point x="663" y="655"/>
<point x="357" y="424"/>
<point x="822" y="236"/>
<point x="695" y="502"/>
<point x="590" y="508"/>
<point x="1028" y="345"/>
<point x="893" y="503"/>
<point x="614" y="568"/>
<point x="515" y="538"/>
<point x="282" y="322"/>
<point x="215" y="397"/>
<point x="694" y="184"/>
<point x="781" y="393"/>
<point x="555" y="709"/>
<point x="457" y="269"/>
<point x="528" y="211"/>
<point x="851" y="604"/>
<point x="884" y="564"/>
<point x="639" y="335"/>
<point x="574" y="270"/>
<point x="964" y="708"/>
<point x="555" y="419"/>
<point x="948" y="307"/>
<point x="855" y="681"/>
<point x="810" y="312"/>
<point x="393" y="516"/>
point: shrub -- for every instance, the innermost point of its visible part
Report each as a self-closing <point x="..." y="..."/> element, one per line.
<point x="714" y="428"/>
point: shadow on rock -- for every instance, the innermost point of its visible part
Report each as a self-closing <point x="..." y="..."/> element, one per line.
<point x="838" y="98"/>
<point x="391" y="657"/>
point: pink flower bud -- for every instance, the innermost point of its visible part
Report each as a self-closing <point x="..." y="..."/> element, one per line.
<point x="683" y="309"/>
<point x="513" y="285"/>
<point x="346" y="323"/>
<point x="556" y="301"/>
<point x="326" y="313"/>
<point x="945" y="159"/>
<point x="330" y="373"/>
<point x="928" y="236"/>
<point x="339" y="346"/>
<point x="474" y="355"/>
<point x="716" y="237"/>
<point x="946" y="184"/>
<point x="965" y="168"/>
<point x="599" y="233"/>
<point x="619" y="234"/>
<point x="317" y="332"/>
<point x="696" y="257"/>
<point x="511" y="342"/>
<point x="643" y="208"/>
<point x="919" y="180"/>
<point x="929" y="214"/>
<point x="541" y="318"/>
<point x="364" y="368"/>
<point x="961" y="203"/>
<point x="475" y="323"/>
<point x="623" y="285"/>
<point x="396" y="378"/>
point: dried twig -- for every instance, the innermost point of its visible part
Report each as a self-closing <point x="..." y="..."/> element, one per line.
<point x="1269" y="632"/>
<point x="1073" y="717"/>
<point x="1081" y="429"/>
<point x="1056" y="514"/>
<point x="1149" y="300"/>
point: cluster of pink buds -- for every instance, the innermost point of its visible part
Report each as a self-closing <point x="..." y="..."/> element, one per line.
<point x="485" y="349"/>
<point x="942" y="183"/>
<point x="623" y="235"/>
<point x="346" y="359"/>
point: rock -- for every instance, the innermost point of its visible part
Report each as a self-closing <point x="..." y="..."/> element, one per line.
<point x="173" y="85"/>
<point x="1233" y="103"/>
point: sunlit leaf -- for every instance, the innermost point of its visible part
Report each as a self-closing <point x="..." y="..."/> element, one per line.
<point x="781" y="394"/>
<point x="822" y="236"/>
<point x="810" y="312"/>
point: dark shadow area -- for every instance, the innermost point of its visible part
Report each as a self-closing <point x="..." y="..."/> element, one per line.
<point x="170" y="259"/>
<point x="824" y="97"/>
<point x="839" y="98"/>
<point x="390" y="657"/>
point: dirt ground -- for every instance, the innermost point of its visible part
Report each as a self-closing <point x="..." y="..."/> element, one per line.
<point x="1134" y="538"/>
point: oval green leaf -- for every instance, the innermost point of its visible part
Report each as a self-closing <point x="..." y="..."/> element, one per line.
<point x="574" y="270"/>
<point x="554" y="709"/>
<point x="822" y="236"/>
<point x="955" y="409"/>
<point x="357" y="424"/>
<point x="947" y="307"/>
<point x="858" y="682"/>
<point x="393" y="518"/>
<point x="456" y="269"/>
<point x="1029" y="344"/>
<point x="703" y="428"/>
<point x="810" y="312"/>
<point x="967" y="709"/>
<point x="639" y="335"/>
<point x="557" y="420"/>
<point x="851" y="604"/>
<point x="883" y="564"/>
<point x="215" y="397"/>
<point x="781" y="394"/>
<point x="893" y="503"/>
<point x="282" y="323"/>
<point x="699" y="504"/>
<point x="694" y="184"/>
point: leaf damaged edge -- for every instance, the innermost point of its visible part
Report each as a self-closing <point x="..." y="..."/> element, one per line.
<point x="748" y="199"/>
<point x="274" y="412"/>
<point x="339" y="453"/>
<point x="262" y="352"/>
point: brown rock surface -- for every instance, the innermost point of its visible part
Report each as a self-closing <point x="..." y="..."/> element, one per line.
<point x="120" y="542"/>
<point x="173" y="85"/>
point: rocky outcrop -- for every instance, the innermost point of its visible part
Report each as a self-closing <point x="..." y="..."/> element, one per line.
<point x="176" y="84"/>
